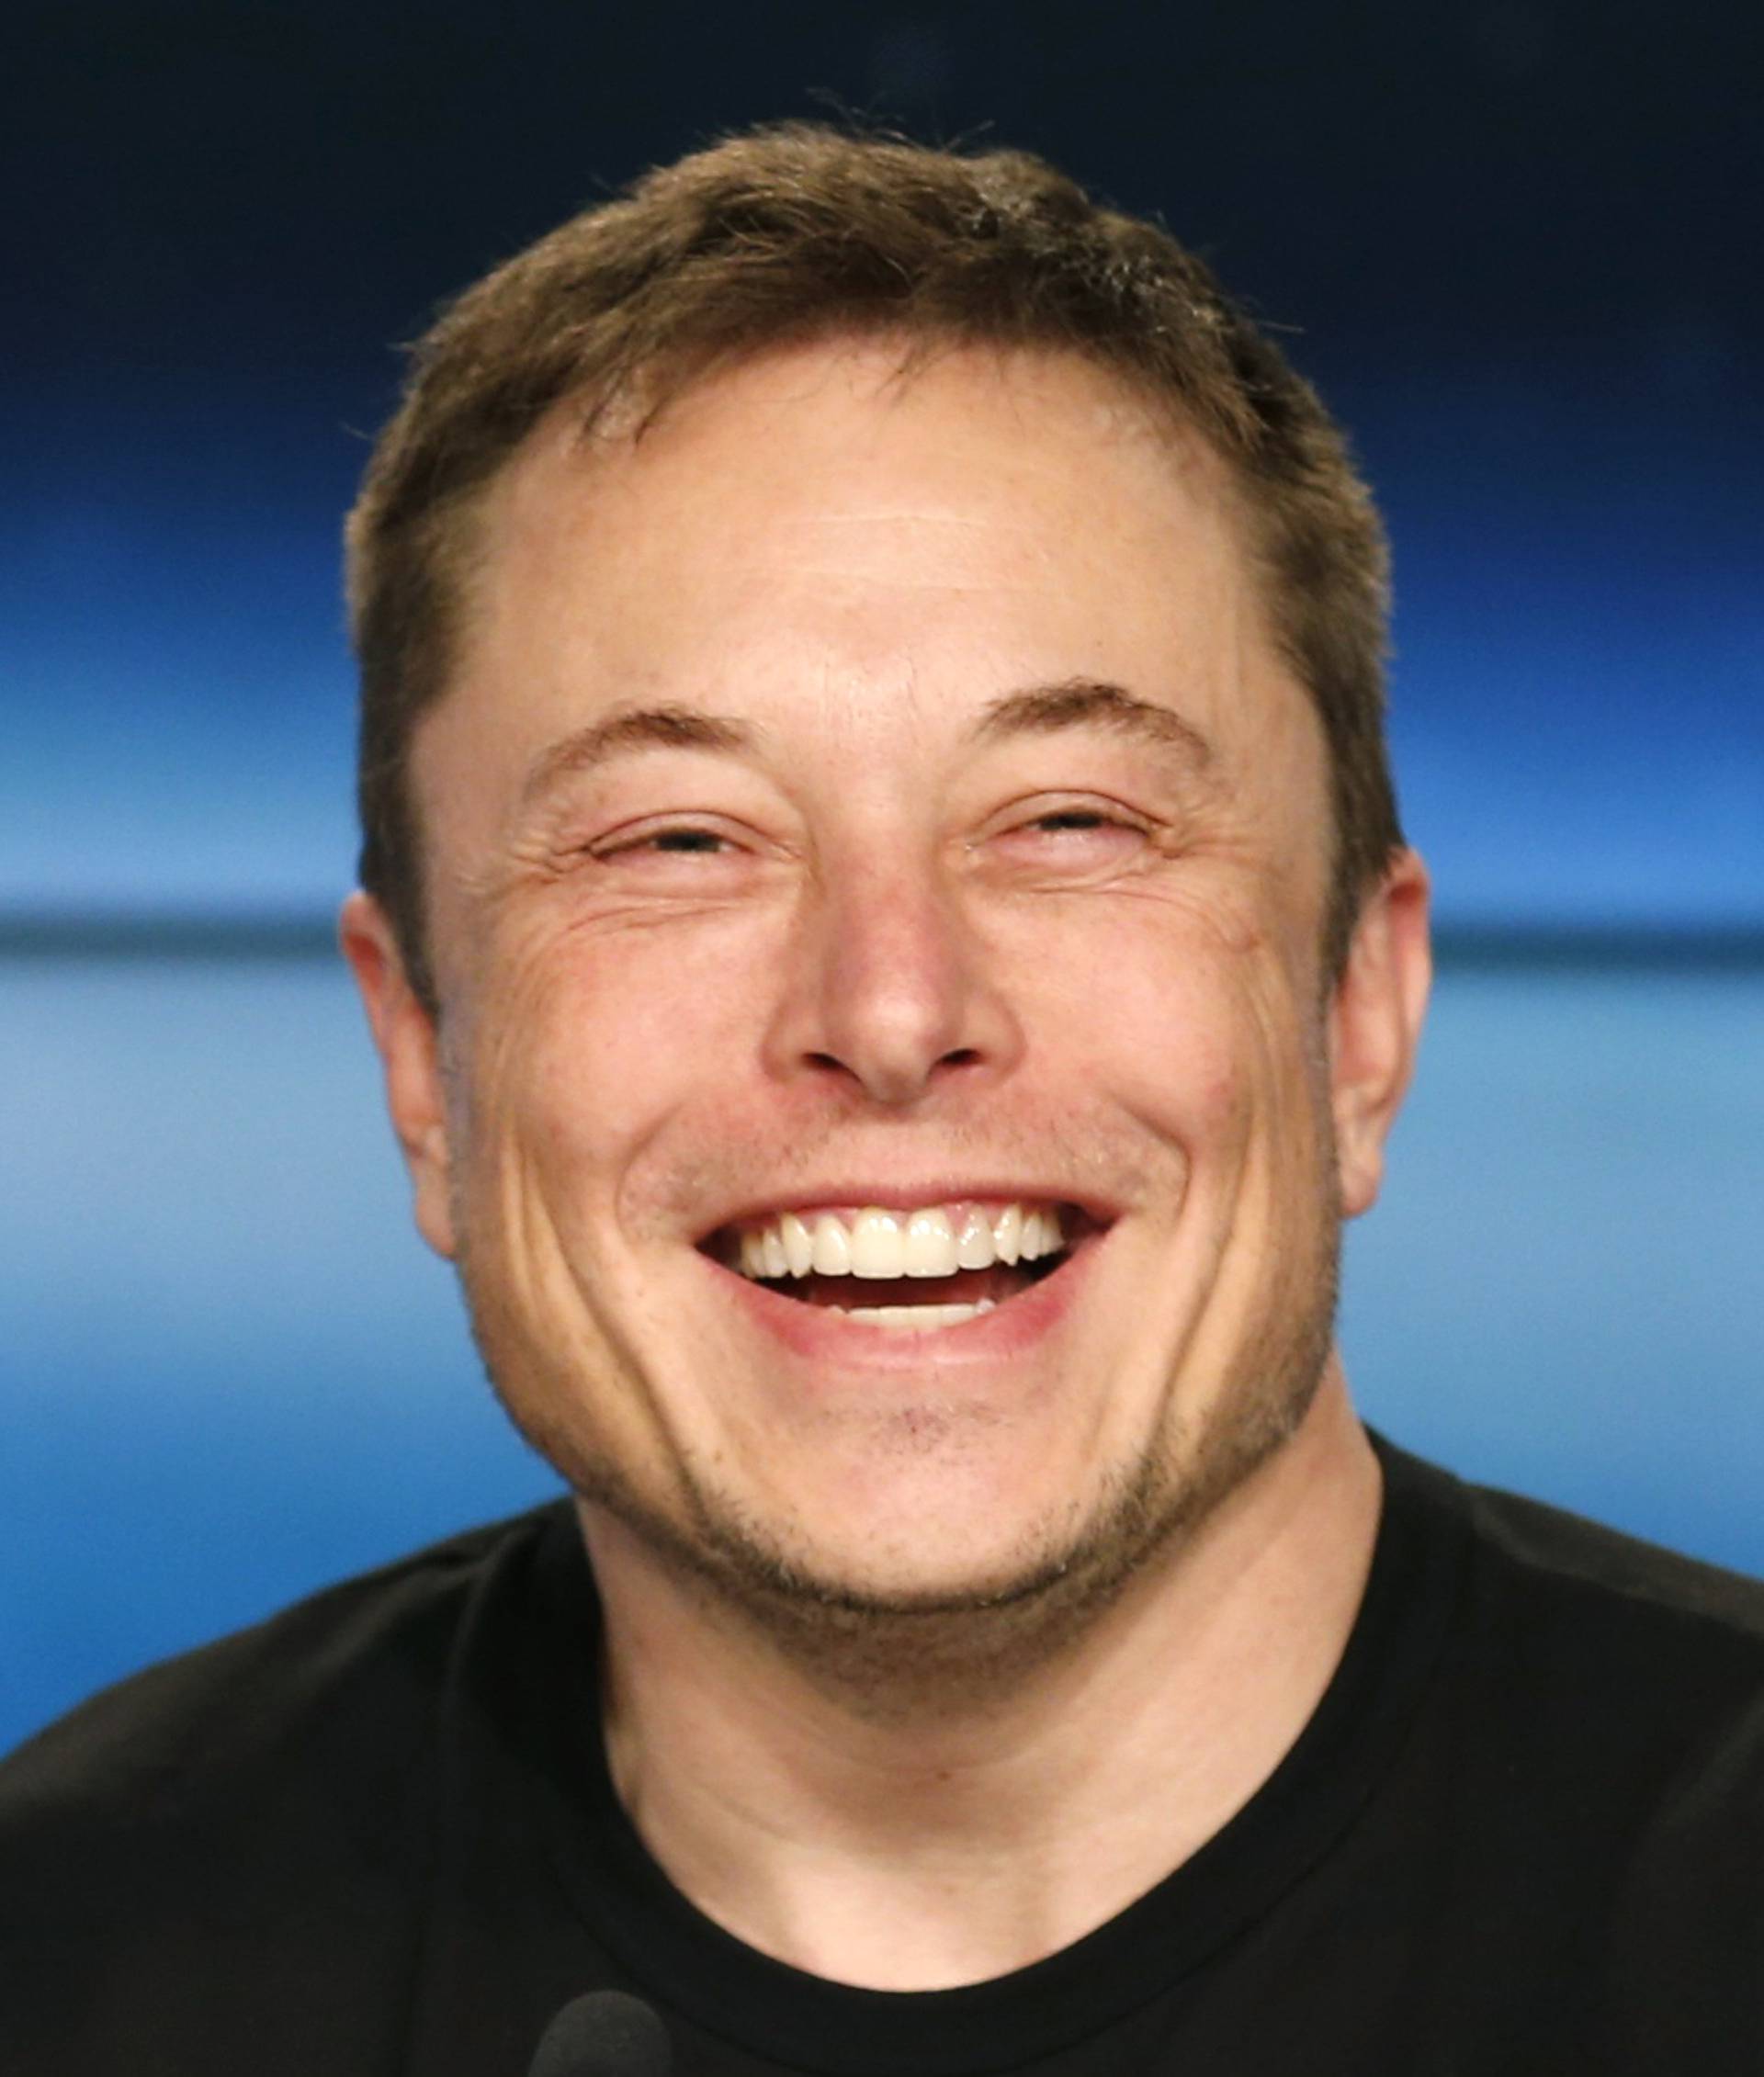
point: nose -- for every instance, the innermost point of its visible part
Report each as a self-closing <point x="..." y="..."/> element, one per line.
<point x="889" y="991"/>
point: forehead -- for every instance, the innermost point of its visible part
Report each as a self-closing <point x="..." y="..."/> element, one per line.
<point x="848" y="468"/>
<point x="821" y="533"/>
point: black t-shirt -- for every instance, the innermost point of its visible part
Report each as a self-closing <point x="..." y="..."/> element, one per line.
<point x="375" y="1838"/>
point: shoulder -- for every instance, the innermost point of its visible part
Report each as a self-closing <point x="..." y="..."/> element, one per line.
<point x="1606" y="1596"/>
<point x="225" y="1857"/>
<point x="1604" y="1688"/>
<point x="1631" y="1676"/>
<point x="1544" y="1568"/>
<point x="1654" y="1660"/>
<point x="333" y="1697"/>
<point x="1636" y="1678"/>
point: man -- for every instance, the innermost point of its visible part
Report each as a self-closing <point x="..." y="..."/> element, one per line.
<point x="885" y="925"/>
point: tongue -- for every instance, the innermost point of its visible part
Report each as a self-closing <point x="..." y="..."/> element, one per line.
<point x="966" y="1287"/>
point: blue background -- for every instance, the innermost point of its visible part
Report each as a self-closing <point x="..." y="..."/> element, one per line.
<point x="1515" y="247"/>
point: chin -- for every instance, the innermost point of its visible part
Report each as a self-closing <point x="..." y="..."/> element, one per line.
<point x="940" y="1624"/>
<point x="924" y="1571"/>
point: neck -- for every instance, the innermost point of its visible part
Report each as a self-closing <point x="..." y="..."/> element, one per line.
<point x="918" y="1847"/>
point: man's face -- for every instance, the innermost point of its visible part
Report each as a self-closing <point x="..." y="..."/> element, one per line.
<point x="864" y="792"/>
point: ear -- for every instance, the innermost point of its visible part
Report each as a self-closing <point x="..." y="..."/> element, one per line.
<point x="1375" y="1026"/>
<point x="410" y="1056"/>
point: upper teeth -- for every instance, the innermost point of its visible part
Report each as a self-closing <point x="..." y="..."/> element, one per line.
<point x="935" y="1242"/>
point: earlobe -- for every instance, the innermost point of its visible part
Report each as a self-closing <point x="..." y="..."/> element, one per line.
<point x="405" y="1034"/>
<point x="1375" y="1026"/>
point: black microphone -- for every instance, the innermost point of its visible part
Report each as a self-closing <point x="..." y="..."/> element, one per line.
<point x="604" y="2034"/>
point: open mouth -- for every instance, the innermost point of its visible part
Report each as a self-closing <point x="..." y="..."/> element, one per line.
<point x="915" y="1272"/>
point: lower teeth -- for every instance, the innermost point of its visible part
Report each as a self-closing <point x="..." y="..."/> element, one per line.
<point x="915" y="1319"/>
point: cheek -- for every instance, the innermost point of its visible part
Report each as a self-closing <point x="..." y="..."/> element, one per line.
<point x="1163" y="1015"/>
<point x="585" y="1048"/>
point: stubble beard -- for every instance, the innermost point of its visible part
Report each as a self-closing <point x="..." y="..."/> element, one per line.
<point x="897" y="1656"/>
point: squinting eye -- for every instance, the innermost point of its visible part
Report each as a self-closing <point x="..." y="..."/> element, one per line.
<point x="1077" y="818"/>
<point x="1076" y="839"/>
<point x="685" y="840"/>
<point x="1081" y="822"/>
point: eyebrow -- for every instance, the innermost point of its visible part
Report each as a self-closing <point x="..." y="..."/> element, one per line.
<point x="1036" y="710"/>
<point x="1094" y="703"/>
<point x="637" y="728"/>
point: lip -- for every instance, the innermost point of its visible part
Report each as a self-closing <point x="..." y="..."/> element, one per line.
<point x="831" y="1340"/>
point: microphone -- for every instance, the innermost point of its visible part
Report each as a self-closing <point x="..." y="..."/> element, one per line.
<point x="604" y="2034"/>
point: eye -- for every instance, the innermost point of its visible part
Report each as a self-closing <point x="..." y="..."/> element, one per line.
<point x="1069" y="838"/>
<point x="666" y="853"/>
<point x="1077" y="818"/>
<point x="699" y="841"/>
<point x="1079" y="825"/>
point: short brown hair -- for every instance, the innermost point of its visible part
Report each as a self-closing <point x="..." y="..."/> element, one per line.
<point x="797" y="231"/>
